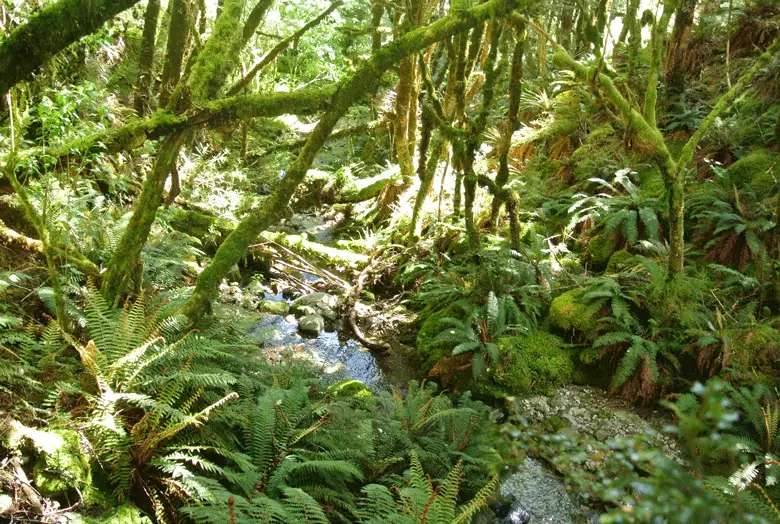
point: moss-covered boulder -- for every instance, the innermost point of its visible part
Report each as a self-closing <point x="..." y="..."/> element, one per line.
<point x="618" y="261"/>
<point x="600" y="247"/>
<point x="62" y="465"/>
<point x="349" y="387"/>
<point x="273" y="307"/>
<point x="759" y="170"/>
<point x="429" y="351"/>
<point x="535" y="363"/>
<point x="124" y="514"/>
<point x="569" y="312"/>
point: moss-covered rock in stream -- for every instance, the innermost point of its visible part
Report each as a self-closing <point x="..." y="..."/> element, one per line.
<point x="534" y="363"/>
<point x="349" y="388"/>
<point x="570" y="313"/>
<point x="273" y="307"/>
<point x="759" y="170"/>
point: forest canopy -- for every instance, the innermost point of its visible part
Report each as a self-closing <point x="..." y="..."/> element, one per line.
<point x="389" y="261"/>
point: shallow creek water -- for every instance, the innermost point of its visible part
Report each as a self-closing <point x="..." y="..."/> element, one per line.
<point x="541" y="495"/>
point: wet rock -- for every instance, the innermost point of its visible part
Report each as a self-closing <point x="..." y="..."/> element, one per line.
<point x="518" y="514"/>
<point x="311" y="325"/>
<point x="273" y="307"/>
<point x="290" y="293"/>
<point x="538" y="496"/>
<point x="318" y="301"/>
<point x="290" y="319"/>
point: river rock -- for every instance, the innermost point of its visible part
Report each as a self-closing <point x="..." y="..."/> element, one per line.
<point x="319" y="303"/>
<point x="592" y="413"/>
<point x="311" y="325"/>
<point x="290" y="293"/>
<point x="273" y="307"/>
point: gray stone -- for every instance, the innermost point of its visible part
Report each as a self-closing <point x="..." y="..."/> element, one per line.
<point x="317" y="301"/>
<point x="311" y="325"/>
<point x="273" y="307"/>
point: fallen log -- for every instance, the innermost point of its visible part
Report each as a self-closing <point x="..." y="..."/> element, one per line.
<point x="63" y="253"/>
<point x="331" y="255"/>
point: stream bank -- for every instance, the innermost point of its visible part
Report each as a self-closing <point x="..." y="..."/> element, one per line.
<point x="291" y="321"/>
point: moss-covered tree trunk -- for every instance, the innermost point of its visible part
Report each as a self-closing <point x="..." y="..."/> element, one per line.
<point x="512" y="122"/>
<point x="176" y="47"/>
<point x="48" y="32"/>
<point x="146" y="58"/>
<point x="363" y="81"/>
<point x="116" y="280"/>
<point x="679" y="44"/>
<point x="566" y="25"/>
<point x="377" y="11"/>
<point x="629" y="18"/>
<point x="656" y="55"/>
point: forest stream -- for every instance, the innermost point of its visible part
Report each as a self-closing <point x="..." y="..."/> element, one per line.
<point x="534" y="492"/>
<point x="389" y="262"/>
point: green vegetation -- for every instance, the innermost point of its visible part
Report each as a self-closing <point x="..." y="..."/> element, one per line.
<point x="343" y="261"/>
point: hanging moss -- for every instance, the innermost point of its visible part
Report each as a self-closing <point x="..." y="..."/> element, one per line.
<point x="569" y="312"/>
<point x="536" y="363"/>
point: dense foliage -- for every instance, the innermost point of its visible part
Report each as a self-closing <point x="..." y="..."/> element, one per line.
<point x="529" y="193"/>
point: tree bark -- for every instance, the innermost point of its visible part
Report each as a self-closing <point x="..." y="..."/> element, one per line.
<point x="254" y="19"/>
<point x="146" y="59"/>
<point x="178" y="39"/>
<point x="363" y="81"/>
<point x="120" y="267"/>
<point x="515" y="90"/>
<point x="279" y="48"/>
<point x="48" y="32"/>
<point x="679" y="44"/>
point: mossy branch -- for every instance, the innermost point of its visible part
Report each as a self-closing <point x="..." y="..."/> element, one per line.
<point x="163" y="123"/>
<point x="686" y="155"/>
<point x="279" y="48"/>
<point x="657" y="49"/>
<point x="49" y="31"/>
<point x="648" y="133"/>
<point x="363" y="81"/>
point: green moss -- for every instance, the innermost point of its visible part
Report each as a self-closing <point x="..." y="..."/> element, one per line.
<point x="650" y="182"/>
<point x="618" y="261"/>
<point x="428" y="351"/>
<point x="220" y="53"/>
<point x="534" y="363"/>
<point x="758" y="170"/>
<point x="62" y="465"/>
<point x="599" y="249"/>
<point x="273" y="307"/>
<point x="569" y="312"/>
<point x="349" y="388"/>
<point x="124" y="514"/>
